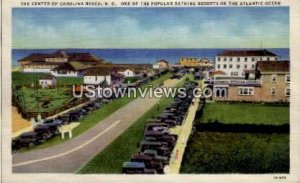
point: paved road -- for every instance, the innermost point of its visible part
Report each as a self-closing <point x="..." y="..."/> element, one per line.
<point x="71" y="155"/>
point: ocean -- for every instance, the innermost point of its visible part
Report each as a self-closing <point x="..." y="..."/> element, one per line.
<point x="143" y="56"/>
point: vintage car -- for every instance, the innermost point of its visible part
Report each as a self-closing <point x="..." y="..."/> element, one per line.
<point x="136" y="168"/>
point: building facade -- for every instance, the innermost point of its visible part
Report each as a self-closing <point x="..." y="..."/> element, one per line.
<point x="271" y="84"/>
<point x="162" y="64"/>
<point x="69" y="69"/>
<point x="97" y="76"/>
<point x="44" y="63"/>
<point x="235" y="62"/>
<point x="195" y="62"/>
<point x="47" y="81"/>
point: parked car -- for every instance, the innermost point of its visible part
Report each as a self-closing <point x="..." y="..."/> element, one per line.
<point x="30" y="139"/>
<point x="54" y="125"/>
<point x="150" y="162"/>
<point x="153" y="153"/>
<point x="162" y="127"/>
<point x="152" y="145"/>
<point x="136" y="168"/>
<point x="75" y="115"/>
<point x="65" y="118"/>
<point x="44" y="130"/>
<point x="170" y="139"/>
<point x="152" y="133"/>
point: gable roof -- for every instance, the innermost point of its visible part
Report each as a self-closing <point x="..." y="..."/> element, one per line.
<point x="35" y="57"/>
<point x="71" y="66"/>
<point x="98" y="71"/>
<point x="244" y="53"/>
<point x="273" y="66"/>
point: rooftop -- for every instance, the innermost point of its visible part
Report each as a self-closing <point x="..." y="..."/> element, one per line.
<point x="162" y="61"/>
<point x="245" y="53"/>
<point x="72" y="56"/>
<point x="273" y="66"/>
<point x="98" y="71"/>
<point x="74" y="66"/>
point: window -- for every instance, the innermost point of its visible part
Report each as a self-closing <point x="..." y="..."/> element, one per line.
<point x="261" y="58"/>
<point x="253" y="66"/>
<point x="230" y="66"/>
<point x="225" y="59"/>
<point x="224" y="66"/>
<point x="287" y="78"/>
<point x="245" y="66"/>
<point x="273" y="91"/>
<point x="234" y="73"/>
<point x="287" y="92"/>
<point x="238" y="59"/>
<point x="219" y="59"/>
<point x="246" y="59"/>
<point x="268" y="58"/>
<point x="238" y="66"/>
<point x="274" y="78"/>
<point x="230" y="59"/>
<point x="253" y="59"/>
<point x="246" y="91"/>
<point x="218" y="66"/>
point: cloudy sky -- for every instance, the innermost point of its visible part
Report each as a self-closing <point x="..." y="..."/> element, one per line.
<point x="250" y="27"/>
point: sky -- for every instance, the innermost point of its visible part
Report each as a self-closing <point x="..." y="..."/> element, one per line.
<point x="201" y="27"/>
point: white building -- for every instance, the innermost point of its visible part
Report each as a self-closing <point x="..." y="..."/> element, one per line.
<point x="47" y="81"/>
<point x="70" y="69"/>
<point x="97" y="76"/>
<point x="236" y="63"/>
<point x="127" y="73"/>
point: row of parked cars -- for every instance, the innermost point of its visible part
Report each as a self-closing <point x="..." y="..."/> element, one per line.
<point x="50" y="127"/>
<point x="155" y="150"/>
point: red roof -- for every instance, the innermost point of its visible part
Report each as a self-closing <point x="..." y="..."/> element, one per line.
<point x="218" y="72"/>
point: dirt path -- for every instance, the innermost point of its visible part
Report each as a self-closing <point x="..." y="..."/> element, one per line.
<point x="18" y="123"/>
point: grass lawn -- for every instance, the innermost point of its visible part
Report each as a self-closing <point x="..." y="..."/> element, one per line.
<point x="214" y="152"/>
<point x="245" y="113"/>
<point x="110" y="160"/>
<point x="130" y="79"/>
<point x="69" y="80"/>
<point x="94" y="118"/>
<point x="20" y="78"/>
<point x="56" y="97"/>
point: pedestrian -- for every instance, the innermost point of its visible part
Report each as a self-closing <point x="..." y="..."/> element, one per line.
<point x="177" y="154"/>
